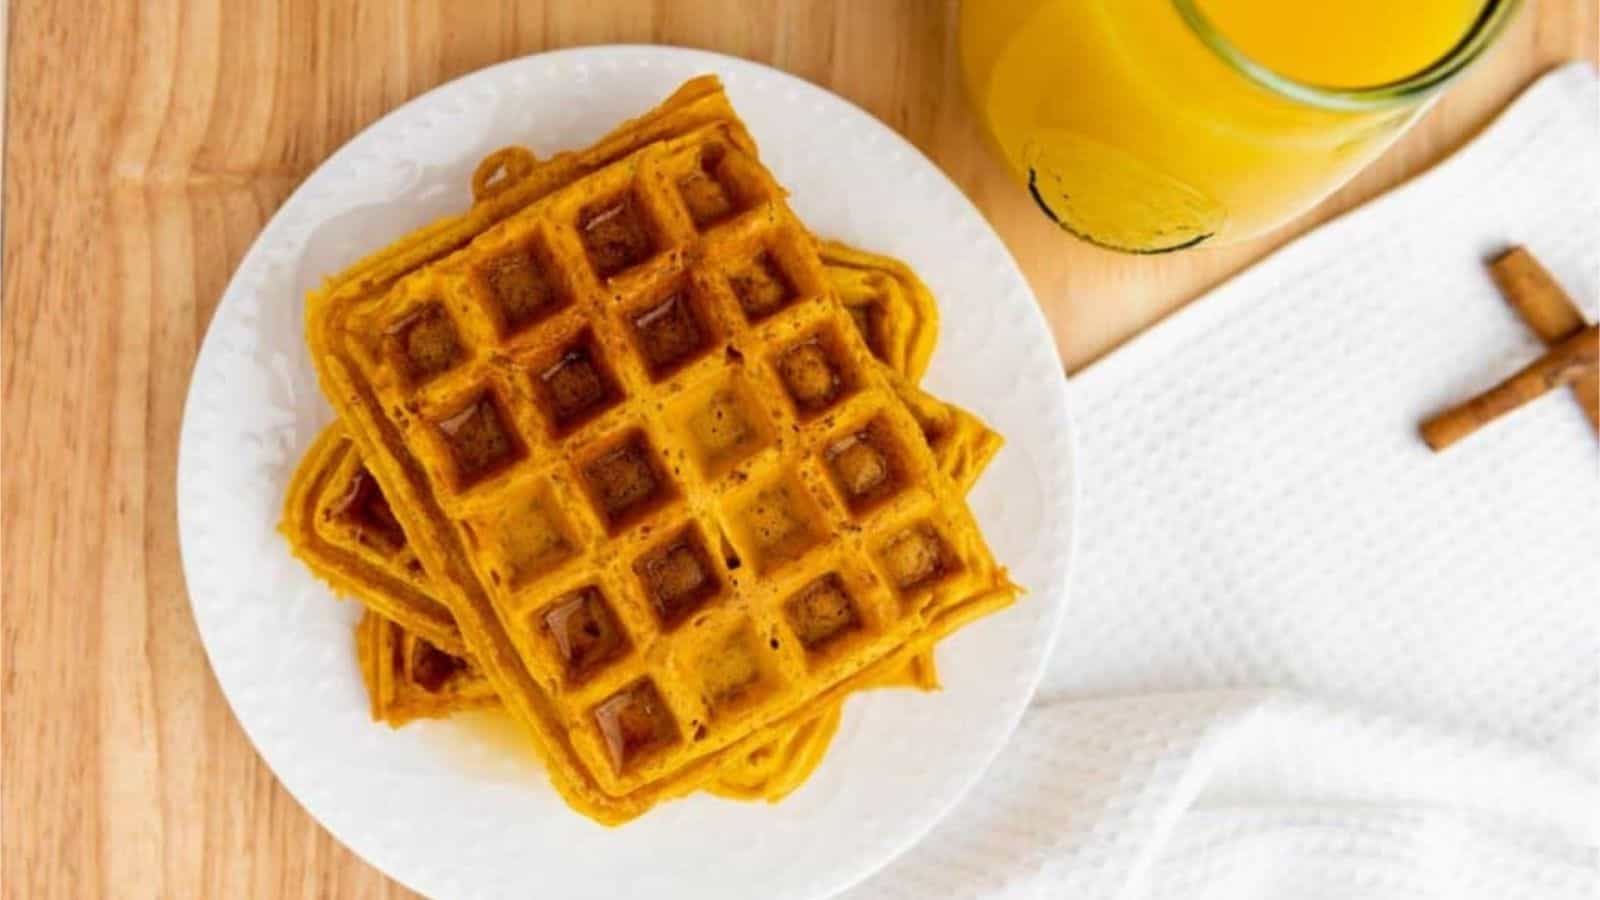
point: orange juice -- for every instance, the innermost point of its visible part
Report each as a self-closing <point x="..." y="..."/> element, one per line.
<point x="1150" y="125"/>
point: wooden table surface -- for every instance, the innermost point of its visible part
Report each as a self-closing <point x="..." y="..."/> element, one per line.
<point x="147" y="144"/>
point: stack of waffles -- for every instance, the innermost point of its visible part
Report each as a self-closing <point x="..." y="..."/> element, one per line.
<point x="628" y="452"/>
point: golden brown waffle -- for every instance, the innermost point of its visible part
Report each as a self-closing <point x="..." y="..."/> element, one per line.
<point x="408" y="677"/>
<point x="403" y="672"/>
<point x="339" y="523"/>
<point x="669" y="499"/>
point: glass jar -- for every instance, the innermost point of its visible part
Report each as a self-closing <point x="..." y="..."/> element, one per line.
<point x="1155" y="125"/>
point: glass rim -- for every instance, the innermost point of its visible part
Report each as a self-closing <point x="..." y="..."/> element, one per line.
<point x="1491" y="21"/>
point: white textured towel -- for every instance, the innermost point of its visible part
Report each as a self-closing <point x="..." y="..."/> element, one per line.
<point x="1306" y="657"/>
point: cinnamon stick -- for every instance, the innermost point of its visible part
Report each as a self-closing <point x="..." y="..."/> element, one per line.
<point x="1576" y="356"/>
<point x="1547" y="309"/>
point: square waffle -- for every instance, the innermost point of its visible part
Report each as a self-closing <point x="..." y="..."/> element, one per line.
<point x="338" y="522"/>
<point x="408" y="677"/>
<point x="658" y="479"/>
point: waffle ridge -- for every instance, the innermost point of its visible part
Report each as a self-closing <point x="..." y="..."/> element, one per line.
<point x="332" y="537"/>
<point x="408" y="677"/>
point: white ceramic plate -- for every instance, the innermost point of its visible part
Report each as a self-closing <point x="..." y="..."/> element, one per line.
<point x="435" y="805"/>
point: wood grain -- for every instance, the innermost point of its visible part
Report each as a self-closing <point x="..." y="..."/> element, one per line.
<point x="146" y="144"/>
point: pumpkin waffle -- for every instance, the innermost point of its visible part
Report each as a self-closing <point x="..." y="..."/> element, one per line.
<point x="646" y="458"/>
<point x="334" y="504"/>
<point x="339" y="523"/>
